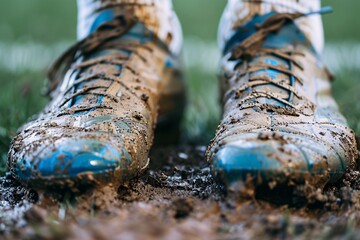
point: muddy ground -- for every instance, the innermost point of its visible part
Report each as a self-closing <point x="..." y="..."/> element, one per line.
<point x="178" y="199"/>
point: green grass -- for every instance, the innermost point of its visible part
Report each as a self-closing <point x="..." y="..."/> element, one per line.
<point x="203" y="111"/>
<point x="50" y="20"/>
<point x="346" y="89"/>
<point x="19" y="99"/>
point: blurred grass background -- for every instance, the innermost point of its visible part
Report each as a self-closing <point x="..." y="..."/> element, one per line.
<point x="33" y="33"/>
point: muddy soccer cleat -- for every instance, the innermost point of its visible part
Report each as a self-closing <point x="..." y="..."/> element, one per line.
<point x="280" y="124"/>
<point x="105" y="90"/>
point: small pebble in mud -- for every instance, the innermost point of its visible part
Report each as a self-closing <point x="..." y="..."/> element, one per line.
<point x="123" y="191"/>
<point x="183" y="207"/>
<point x="33" y="196"/>
<point x="138" y="117"/>
<point x="183" y="155"/>
<point x="264" y="136"/>
<point x="144" y="97"/>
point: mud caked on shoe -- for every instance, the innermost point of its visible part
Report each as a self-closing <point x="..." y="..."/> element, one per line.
<point x="106" y="92"/>
<point x="280" y="124"/>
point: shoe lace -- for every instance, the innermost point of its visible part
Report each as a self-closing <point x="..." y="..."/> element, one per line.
<point x="72" y="60"/>
<point x="249" y="49"/>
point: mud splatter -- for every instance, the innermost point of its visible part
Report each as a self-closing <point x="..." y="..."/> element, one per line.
<point x="178" y="199"/>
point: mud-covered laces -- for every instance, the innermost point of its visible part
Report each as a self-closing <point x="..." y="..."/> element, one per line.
<point x="72" y="60"/>
<point x="250" y="48"/>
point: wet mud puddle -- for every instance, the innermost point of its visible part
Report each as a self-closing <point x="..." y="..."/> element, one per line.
<point x="179" y="199"/>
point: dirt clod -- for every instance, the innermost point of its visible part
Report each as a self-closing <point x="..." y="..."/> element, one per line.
<point x="183" y="207"/>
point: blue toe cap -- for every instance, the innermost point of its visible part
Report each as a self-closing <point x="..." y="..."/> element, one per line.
<point x="72" y="157"/>
<point x="234" y="163"/>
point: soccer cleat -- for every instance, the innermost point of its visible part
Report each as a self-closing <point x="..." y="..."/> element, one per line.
<point x="280" y="124"/>
<point x="106" y="92"/>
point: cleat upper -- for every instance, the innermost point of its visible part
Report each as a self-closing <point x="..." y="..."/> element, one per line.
<point x="99" y="125"/>
<point x="280" y="122"/>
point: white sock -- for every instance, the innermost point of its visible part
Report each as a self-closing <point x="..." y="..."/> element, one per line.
<point x="158" y="16"/>
<point x="238" y="12"/>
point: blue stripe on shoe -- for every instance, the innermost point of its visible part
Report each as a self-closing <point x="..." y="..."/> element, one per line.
<point x="104" y="16"/>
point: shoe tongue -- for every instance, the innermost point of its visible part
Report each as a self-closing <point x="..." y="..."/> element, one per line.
<point x="288" y="36"/>
<point x="157" y="17"/>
